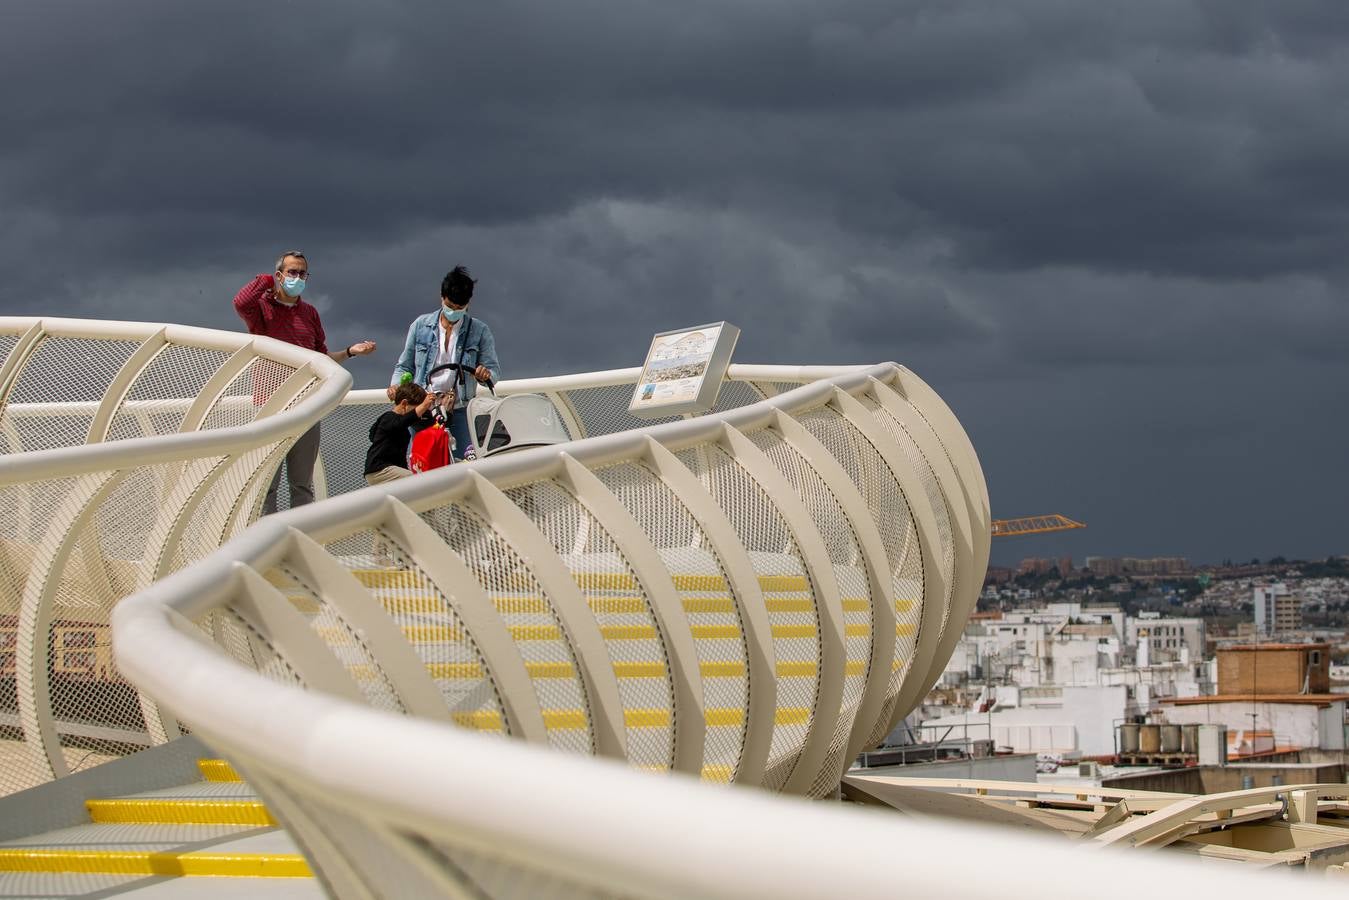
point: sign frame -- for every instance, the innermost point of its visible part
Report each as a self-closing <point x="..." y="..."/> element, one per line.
<point x="661" y="392"/>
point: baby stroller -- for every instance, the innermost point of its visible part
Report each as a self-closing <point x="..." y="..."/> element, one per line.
<point x="501" y="424"/>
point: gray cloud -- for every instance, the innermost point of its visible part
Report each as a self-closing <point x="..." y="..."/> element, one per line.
<point x="1110" y="236"/>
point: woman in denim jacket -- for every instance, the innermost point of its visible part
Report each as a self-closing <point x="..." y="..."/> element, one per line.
<point x="450" y="335"/>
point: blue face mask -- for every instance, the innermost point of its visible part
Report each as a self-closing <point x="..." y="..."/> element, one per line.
<point x="452" y="315"/>
<point x="294" y="286"/>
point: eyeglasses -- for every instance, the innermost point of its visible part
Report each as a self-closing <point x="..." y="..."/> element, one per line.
<point x="302" y="274"/>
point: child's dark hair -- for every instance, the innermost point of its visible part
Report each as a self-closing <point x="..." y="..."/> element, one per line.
<point x="457" y="286"/>
<point x="411" y="393"/>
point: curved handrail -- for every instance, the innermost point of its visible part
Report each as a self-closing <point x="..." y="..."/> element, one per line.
<point x="753" y="595"/>
<point x="165" y="459"/>
<point x="455" y="814"/>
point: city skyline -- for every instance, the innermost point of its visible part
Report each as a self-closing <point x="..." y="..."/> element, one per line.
<point x="1112" y="239"/>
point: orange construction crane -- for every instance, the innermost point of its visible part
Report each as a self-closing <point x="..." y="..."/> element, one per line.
<point x="1033" y="525"/>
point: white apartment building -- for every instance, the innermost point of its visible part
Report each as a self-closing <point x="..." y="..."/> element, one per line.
<point x="1276" y="609"/>
<point x="1065" y="674"/>
<point x="1157" y="640"/>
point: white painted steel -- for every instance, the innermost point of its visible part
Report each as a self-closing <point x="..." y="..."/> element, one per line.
<point x="565" y="825"/>
<point x="680" y="558"/>
<point x="638" y="595"/>
<point x="109" y="455"/>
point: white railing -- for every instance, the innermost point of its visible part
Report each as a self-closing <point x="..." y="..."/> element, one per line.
<point x="127" y="451"/>
<point x="751" y="596"/>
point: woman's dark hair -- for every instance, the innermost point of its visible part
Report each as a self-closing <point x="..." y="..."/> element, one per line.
<point x="457" y="287"/>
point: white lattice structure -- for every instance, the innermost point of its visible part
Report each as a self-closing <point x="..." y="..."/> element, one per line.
<point x="751" y="596"/>
<point x="129" y="451"/>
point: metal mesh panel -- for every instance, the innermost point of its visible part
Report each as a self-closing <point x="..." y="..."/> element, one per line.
<point x="712" y="614"/>
<point x="259" y="465"/>
<point x="239" y="403"/>
<point x="26" y="510"/>
<point x="604" y="410"/>
<point x="735" y="394"/>
<point x="429" y="624"/>
<point x="787" y="593"/>
<point x="623" y="612"/>
<point x="890" y="511"/>
<point x="162" y="393"/>
<point x="527" y="610"/>
<point x="346" y="643"/>
<point x="935" y="496"/>
<point x="343" y="440"/>
<point x="78" y="370"/>
<point x="844" y="552"/>
<point x="208" y="519"/>
<point x="244" y="644"/>
<point x="7" y="344"/>
<point x="123" y="523"/>
<point x="95" y="709"/>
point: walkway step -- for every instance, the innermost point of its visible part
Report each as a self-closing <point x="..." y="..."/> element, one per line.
<point x="217" y="770"/>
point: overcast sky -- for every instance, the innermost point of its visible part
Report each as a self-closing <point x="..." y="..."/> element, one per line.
<point x="1112" y="236"/>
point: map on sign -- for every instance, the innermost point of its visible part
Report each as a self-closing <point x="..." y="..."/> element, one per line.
<point x="684" y="370"/>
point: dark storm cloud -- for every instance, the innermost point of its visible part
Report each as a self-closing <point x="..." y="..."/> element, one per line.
<point x="1111" y="236"/>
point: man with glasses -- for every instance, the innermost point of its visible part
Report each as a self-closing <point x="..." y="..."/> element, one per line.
<point x="450" y="336"/>
<point x="270" y="305"/>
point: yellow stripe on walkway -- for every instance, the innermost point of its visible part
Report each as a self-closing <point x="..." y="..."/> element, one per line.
<point x="179" y="812"/>
<point x="793" y="631"/>
<point x="720" y="774"/>
<point x="628" y="632"/>
<point x="124" y="862"/>
<point x="639" y="670"/>
<point x="719" y="717"/>
<point x="792" y="715"/>
<point x="564" y="719"/>
<point x="617" y="604"/>
<point x="646" y="718"/>
<point x="217" y="770"/>
<point x="709" y="605"/>
<point x="550" y="670"/>
<point x="713" y="632"/>
<point x="788" y="605"/>
<point x="480" y="720"/>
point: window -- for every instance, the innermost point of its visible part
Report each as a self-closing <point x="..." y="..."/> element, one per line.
<point x="1314" y="658"/>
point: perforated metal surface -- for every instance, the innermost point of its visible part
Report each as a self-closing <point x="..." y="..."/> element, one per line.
<point x="240" y="401"/>
<point x="889" y="510"/>
<point x="75" y="546"/>
<point x="623" y="612"/>
<point x="527" y="611"/>
<point x="941" y="509"/>
<point x="427" y="618"/>
<point x="345" y="642"/>
<point x="844" y="553"/>
<point x="78" y="371"/>
<point x="161" y="395"/>
<point x="788" y="594"/>
<point x="713" y="618"/>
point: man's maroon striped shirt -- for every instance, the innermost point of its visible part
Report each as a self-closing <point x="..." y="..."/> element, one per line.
<point x="257" y="305"/>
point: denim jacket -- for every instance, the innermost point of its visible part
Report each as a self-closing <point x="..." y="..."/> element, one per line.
<point x="419" y="352"/>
